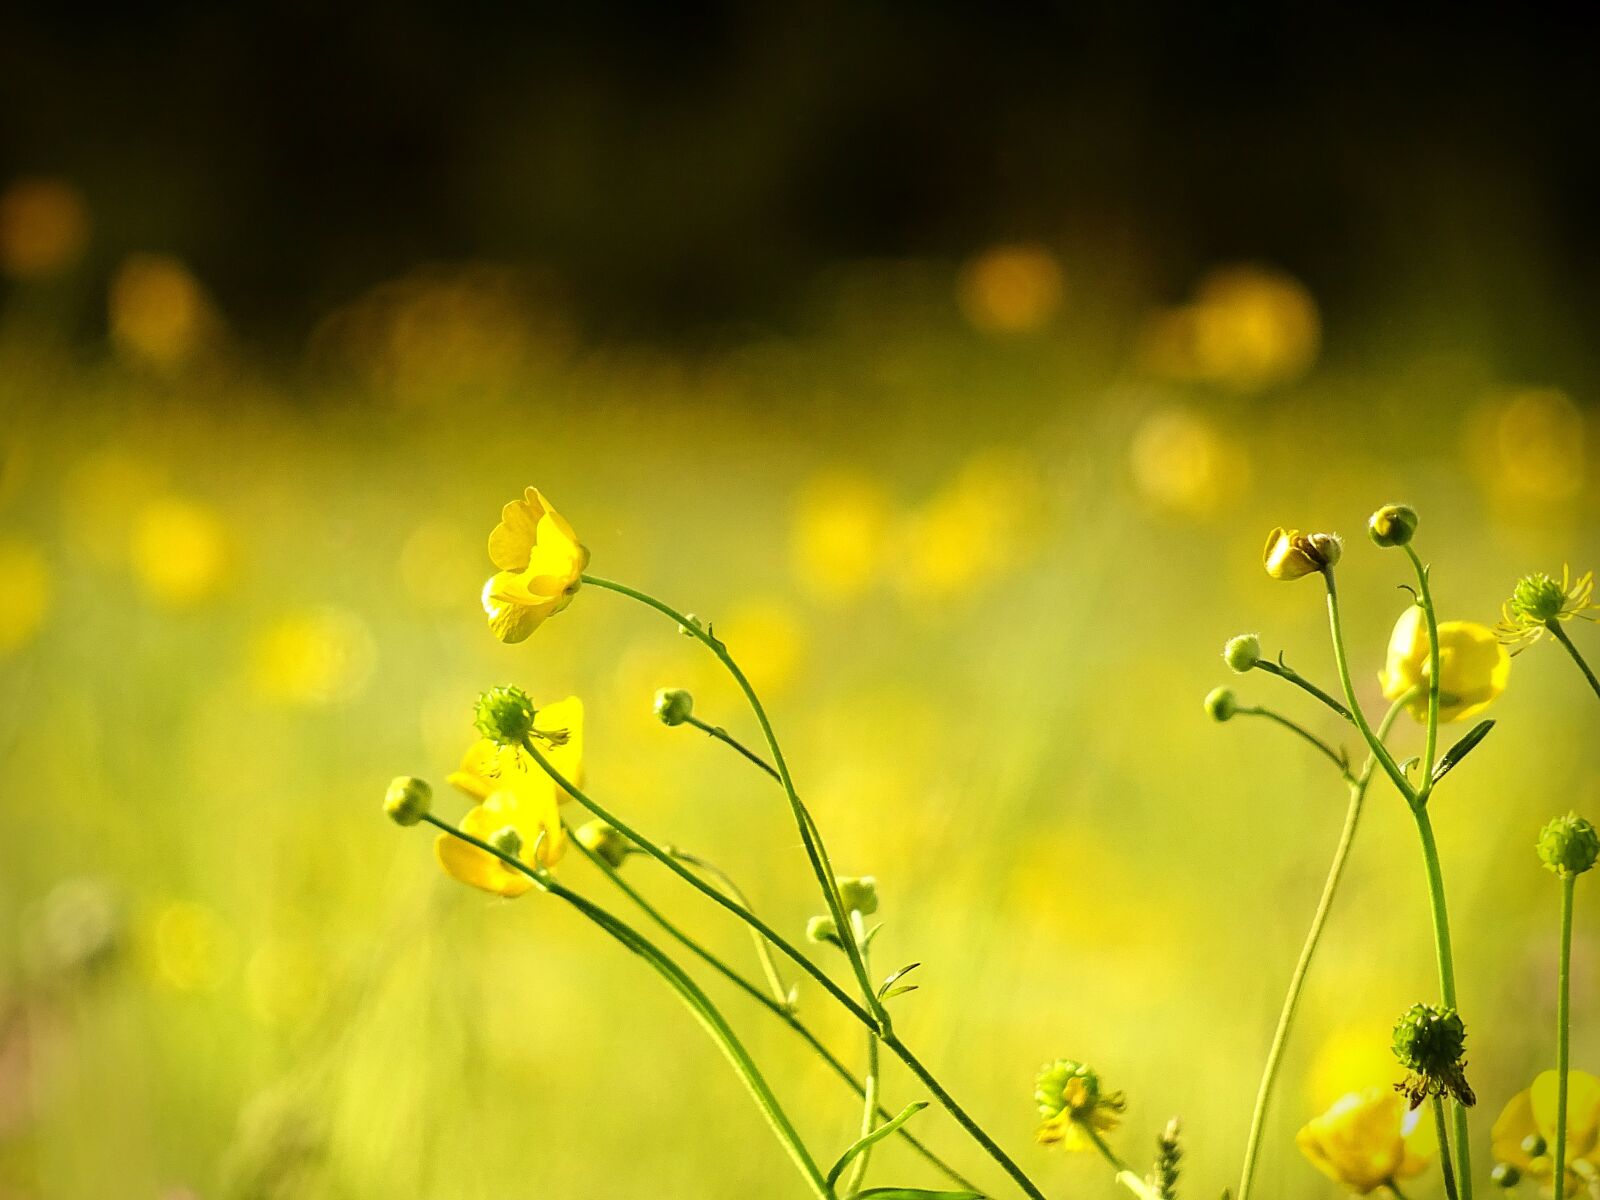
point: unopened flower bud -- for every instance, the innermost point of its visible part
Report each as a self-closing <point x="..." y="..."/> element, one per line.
<point x="602" y="840"/>
<point x="1242" y="653"/>
<point x="1534" y="1146"/>
<point x="1569" y="845"/>
<point x="505" y="715"/>
<point x="1392" y="525"/>
<point x="506" y="840"/>
<point x="1505" y="1175"/>
<point x="408" y="799"/>
<point x="673" y="706"/>
<point x="859" y="894"/>
<point x="1221" y="704"/>
<point x="823" y="931"/>
<point x="1291" y="554"/>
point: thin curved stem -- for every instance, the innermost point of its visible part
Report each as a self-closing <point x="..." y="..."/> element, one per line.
<point x="1126" y="1176"/>
<point x="1319" y="919"/>
<point x="1560" y="635"/>
<point x="1563" y="1030"/>
<point x="1288" y="673"/>
<point x="816" y="852"/>
<point x="698" y="1003"/>
<point x="788" y="950"/>
<point x="1431" y="616"/>
<point x="1334" y="756"/>
<point x="869" y="1091"/>
<point x="727" y="739"/>
<point x="781" y="991"/>
<point x="780" y="1011"/>
<point x="1341" y="660"/>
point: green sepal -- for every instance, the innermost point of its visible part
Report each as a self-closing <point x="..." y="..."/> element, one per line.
<point x="1461" y="749"/>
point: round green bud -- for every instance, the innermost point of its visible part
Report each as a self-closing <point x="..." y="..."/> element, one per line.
<point x="1569" y="845"/>
<point x="859" y="894"/>
<point x="1538" y="598"/>
<point x="1242" y="653"/>
<point x="1430" y="1041"/>
<point x="1392" y="525"/>
<point x="408" y="799"/>
<point x="673" y="706"/>
<point x="1534" y="1146"/>
<point x="506" y="840"/>
<point x="822" y="931"/>
<point x="1505" y="1175"/>
<point x="505" y="715"/>
<point x="602" y="840"/>
<point x="1221" y="704"/>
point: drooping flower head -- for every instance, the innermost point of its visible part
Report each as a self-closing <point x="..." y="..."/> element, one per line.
<point x="1525" y="1133"/>
<point x="1291" y="554"/>
<point x="1073" y="1105"/>
<point x="1368" y="1139"/>
<point x="541" y="567"/>
<point x="1473" y="666"/>
<point x="1431" y="1044"/>
<point x="513" y="792"/>
<point x="1538" y="599"/>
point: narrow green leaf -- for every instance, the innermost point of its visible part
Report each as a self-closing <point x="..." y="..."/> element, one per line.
<point x="895" y="978"/>
<point x="878" y="1134"/>
<point x="899" y="991"/>
<point x="1461" y="749"/>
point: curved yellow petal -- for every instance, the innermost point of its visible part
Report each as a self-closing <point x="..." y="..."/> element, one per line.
<point x="511" y="620"/>
<point x="511" y="541"/>
<point x="563" y="717"/>
<point x="1358" y="1142"/>
<point x="1514" y="1123"/>
<point x="1473" y="669"/>
<point x="1583" y="1110"/>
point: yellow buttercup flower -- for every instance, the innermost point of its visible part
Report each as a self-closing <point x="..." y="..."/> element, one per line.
<point x="1473" y="666"/>
<point x="1291" y="554"/>
<point x="1529" y="1118"/>
<point x="1368" y="1139"/>
<point x="513" y="792"/>
<point x="541" y="567"/>
<point x="1074" y="1109"/>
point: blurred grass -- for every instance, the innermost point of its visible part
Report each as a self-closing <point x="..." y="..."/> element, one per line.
<point x="979" y="541"/>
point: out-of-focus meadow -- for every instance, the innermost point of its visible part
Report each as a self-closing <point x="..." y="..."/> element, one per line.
<point x="978" y="526"/>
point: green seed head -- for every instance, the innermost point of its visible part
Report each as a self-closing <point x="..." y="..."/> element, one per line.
<point x="1430" y="1041"/>
<point x="1537" y="598"/>
<point x="505" y="715"/>
<point x="1569" y="845"/>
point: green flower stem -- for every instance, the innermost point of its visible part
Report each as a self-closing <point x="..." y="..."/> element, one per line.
<point x="816" y="852"/>
<point x="781" y="991"/>
<point x="781" y="1011"/>
<point x="1563" y="1028"/>
<point x="1334" y="756"/>
<point x="1560" y="635"/>
<point x="1444" y="1145"/>
<point x="727" y="739"/>
<point x="1126" y="1176"/>
<point x="1425" y="598"/>
<point x="1319" y="919"/>
<point x="1341" y="660"/>
<point x="1394" y="1189"/>
<point x="1447" y="983"/>
<point x="869" y="1091"/>
<point x="1285" y="672"/>
<point x="789" y="951"/>
<point x="697" y="1002"/>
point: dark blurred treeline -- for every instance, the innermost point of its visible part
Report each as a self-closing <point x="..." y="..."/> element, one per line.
<point x="685" y="167"/>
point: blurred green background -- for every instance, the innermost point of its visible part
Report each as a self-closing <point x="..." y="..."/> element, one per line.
<point x="961" y="398"/>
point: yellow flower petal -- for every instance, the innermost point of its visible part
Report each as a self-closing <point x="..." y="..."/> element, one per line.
<point x="1583" y="1110"/>
<point x="534" y="817"/>
<point x="1513" y="1125"/>
<point x="562" y="717"/>
<point x="1473" y="666"/>
<point x="1362" y="1141"/>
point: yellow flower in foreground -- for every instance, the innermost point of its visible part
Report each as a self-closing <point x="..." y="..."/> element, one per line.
<point x="541" y="565"/>
<point x="1473" y="666"/>
<point x="514" y="792"/>
<point x="1530" y="1117"/>
<point x="1368" y="1139"/>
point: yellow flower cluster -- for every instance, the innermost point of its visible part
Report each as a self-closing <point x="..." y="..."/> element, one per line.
<point x="1526" y="1130"/>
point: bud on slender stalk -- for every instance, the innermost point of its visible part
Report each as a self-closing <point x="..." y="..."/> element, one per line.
<point x="407" y="800"/>
<point x="1392" y="525"/>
